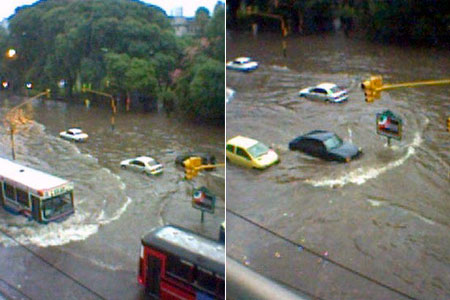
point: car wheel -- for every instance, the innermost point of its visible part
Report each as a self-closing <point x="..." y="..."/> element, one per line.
<point x="123" y="166"/>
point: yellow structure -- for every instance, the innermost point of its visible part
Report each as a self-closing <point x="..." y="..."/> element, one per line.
<point x="194" y="165"/>
<point x="448" y="124"/>
<point x="374" y="86"/>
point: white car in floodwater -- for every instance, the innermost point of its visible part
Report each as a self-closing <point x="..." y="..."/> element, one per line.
<point x="144" y="164"/>
<point x="244" y="64"/>
<point x="325" y="92"/>
<point x="74" y="134"/>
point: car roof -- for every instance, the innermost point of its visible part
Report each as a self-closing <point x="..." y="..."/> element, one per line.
<point x="326" y="85"/>
<point x="75" y="130"/>
<point x="242" y="59"/>
<point x="321" y="135"/>
<point x="145" y="159"/>
<point x="242" y="141"/>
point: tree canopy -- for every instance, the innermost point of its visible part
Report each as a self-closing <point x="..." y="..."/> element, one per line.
<point x="118" y="46"/>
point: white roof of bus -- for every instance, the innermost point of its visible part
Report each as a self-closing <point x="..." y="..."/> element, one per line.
<point x="28" y="177"/>
<point x="192" y="242"/>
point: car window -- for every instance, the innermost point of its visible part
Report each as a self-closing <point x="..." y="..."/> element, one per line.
<point x="137" y="163"/>
<point x="258" y="149"/>
<point x="319" y="91"/>
<point x="69" y="132"/>
<point x="241" y="152"/>
<point x="230" y="148"/>
<point x="333" y="142"/>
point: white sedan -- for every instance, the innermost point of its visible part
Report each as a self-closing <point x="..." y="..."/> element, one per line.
<point x="74" y="134"/>
<point x="244" y="64"/>
<point x="325" y="92"/>
<point x="143" y="164"/>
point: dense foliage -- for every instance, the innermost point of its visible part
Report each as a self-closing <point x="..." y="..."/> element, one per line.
<point x="412" y="21"/>
<point x="122" y="47"/>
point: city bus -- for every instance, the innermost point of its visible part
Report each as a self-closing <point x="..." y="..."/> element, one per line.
<point x="34" y="194"/>
<point x="176" y="263"/>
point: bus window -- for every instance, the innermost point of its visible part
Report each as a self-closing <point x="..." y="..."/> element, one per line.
<point x="57" y="205"/>
<point x="10" y="192"/>
<point x="179" y="268"/>
<point x="22" y="197"/>
<point x="206" y="280"/>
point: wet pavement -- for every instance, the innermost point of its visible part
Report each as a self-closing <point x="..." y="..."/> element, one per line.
<point x="94" y="253"/>
<point x="380" y="223"/>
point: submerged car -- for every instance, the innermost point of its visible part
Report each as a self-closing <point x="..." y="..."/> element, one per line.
<point x="250" y="153"/>
<point x="74" y="134"/>
<point x="244" y="64"/>
<point x="325" y="145"/>
<point x="325" y="92"/>
<point x="143" y="164"/>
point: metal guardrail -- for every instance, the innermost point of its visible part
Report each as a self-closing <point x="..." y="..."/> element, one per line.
<point x="243" y="283"/>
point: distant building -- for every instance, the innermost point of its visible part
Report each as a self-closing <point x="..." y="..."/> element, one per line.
<point x="4" y="23"/>
<point x="177" y="12"/>
<point x="182" y="25"/>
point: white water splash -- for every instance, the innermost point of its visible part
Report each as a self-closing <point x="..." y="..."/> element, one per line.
<point x="361" y="175"/>
<point x="229" y="95"/>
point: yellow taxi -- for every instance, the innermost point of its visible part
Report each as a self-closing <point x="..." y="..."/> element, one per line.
<point x="250" y="153"/>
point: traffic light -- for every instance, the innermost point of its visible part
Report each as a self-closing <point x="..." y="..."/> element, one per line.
<point x="371" y="88"/>
<point x="377" y="83"/>
<point x="190" y="167"/>
<point x="368" y="91"/>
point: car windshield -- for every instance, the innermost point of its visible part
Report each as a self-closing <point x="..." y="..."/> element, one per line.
<point x="152" y="163"/>
<point x="335" y="89"/>
<point x="258" y="149"/>
<point x="333" y="142"/>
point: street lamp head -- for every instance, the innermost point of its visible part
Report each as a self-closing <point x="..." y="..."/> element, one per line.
<point x="11" y="53"/>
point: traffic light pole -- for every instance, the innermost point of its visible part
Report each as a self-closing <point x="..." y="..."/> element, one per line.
<point x="411" y="84"/>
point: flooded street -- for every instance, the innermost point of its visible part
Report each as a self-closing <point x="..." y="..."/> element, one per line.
<point x="375" y="228"/>
<point x="98" y="247"/>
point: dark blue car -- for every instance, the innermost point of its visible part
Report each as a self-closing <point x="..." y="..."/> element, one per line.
<point x="325" y="145"/>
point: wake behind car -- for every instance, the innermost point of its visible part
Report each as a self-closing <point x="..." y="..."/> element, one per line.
<point x="74" y="134"/>
<point x="325" y="145"/>
<point x="144" y="164"/>
<point x="325" y="92"/>
<point x="250" y="153"/>
<point x="244" y="64"/>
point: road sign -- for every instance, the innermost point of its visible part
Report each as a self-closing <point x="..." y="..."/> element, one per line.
<point x="389" y="125"/>
<point x="203" y="200"/>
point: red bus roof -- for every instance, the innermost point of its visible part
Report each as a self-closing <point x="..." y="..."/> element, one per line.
<point x="189" y="246"/>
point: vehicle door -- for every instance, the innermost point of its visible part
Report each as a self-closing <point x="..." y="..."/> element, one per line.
<point x="314" y="94"/>
<point x="153" y="276"/>
<point x="242" y="157"/>
<point x="137" y="165"/>
<point x="321" y="94"/>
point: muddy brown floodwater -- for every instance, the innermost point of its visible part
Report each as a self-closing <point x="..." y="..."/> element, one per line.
<point x="99" y="245"/>
<point x="375" y="228"/>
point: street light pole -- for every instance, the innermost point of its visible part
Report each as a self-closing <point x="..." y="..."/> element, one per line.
<point x="12" y="118"/>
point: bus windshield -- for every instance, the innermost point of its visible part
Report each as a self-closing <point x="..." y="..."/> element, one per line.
<point x="57" y="205"/>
